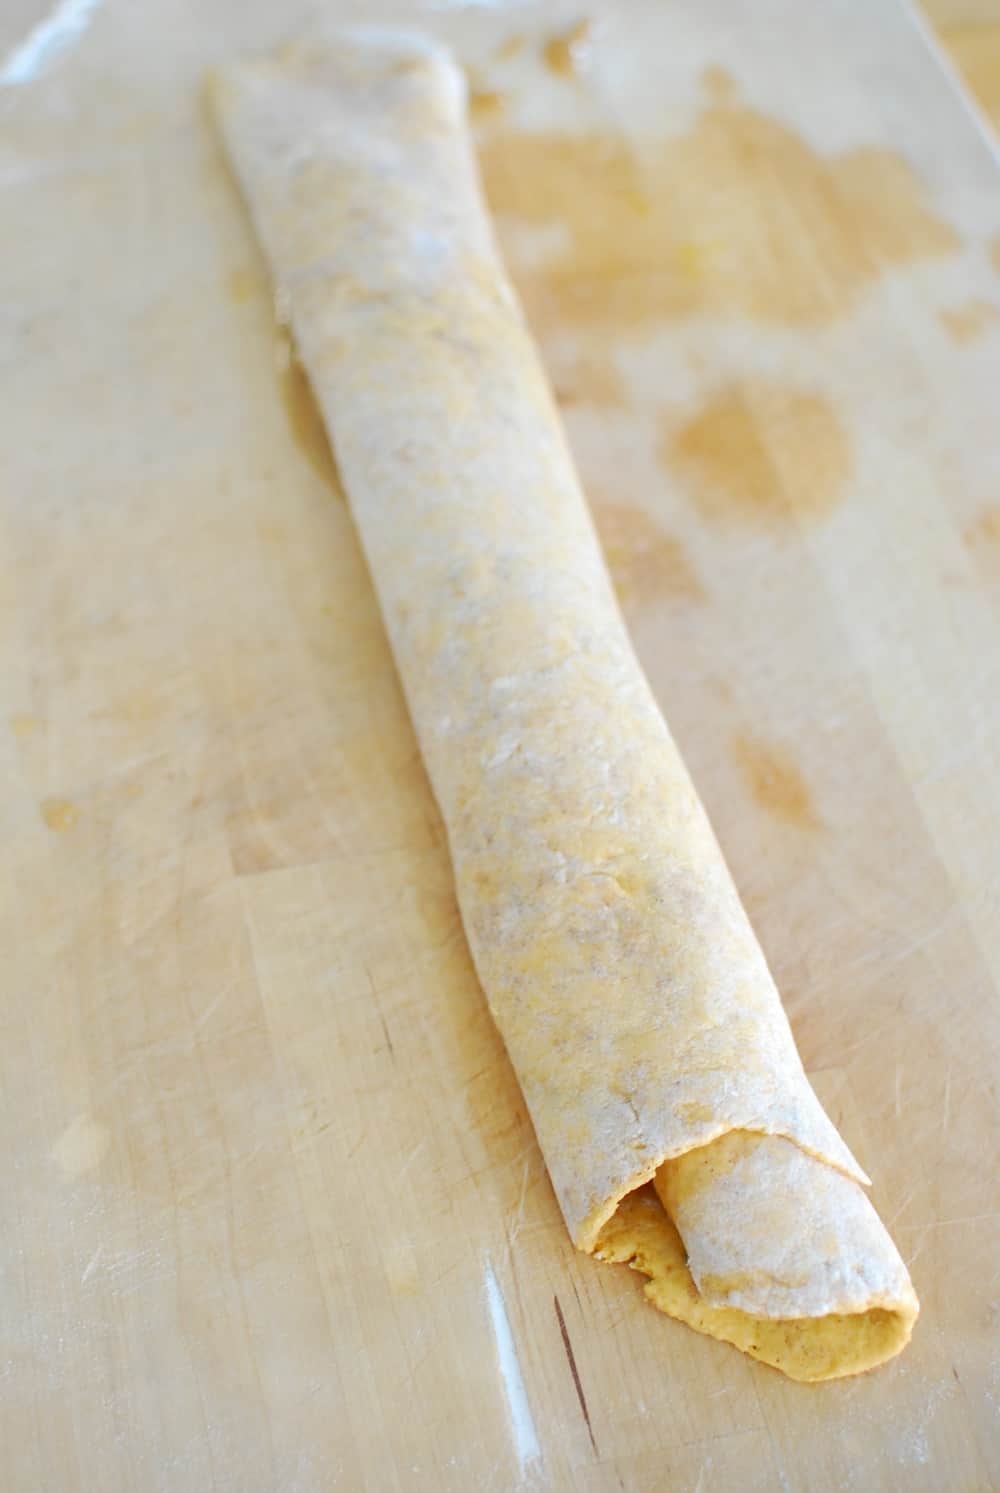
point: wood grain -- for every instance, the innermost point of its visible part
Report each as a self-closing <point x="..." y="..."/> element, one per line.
<point x="274" y="1215"/>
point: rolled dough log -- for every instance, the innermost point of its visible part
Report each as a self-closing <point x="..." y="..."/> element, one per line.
<point x="616" y="957"/>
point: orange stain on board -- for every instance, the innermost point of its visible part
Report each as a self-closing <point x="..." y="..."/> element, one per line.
<point x="485" y="103"/>
<point x="761" y="452"/>
<point x="995" y="253"/>
<point x="739" y="216"/>
<point x="775" y="782"/>
<point x="25" y="725"/>
<point x="243" y="284"/>
<point x="986" y="528"/>
<point x="510" y="47"/>
<point x="304" y="419"/>
<point x="646" y="564"/>
<point x="565" y="52"/>
<point x="719" y="84"/>
<point x="59" y="814"/>
<point x="983" y="537"/>
<point x="963" y="323"/>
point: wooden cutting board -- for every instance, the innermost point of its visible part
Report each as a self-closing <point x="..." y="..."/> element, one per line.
<point x="273" y="1214"/>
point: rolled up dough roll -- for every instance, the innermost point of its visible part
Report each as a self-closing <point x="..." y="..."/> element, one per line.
<point x="616" y="957"/>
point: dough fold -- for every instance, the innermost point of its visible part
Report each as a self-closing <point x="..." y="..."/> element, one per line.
<point x="616" y="957"/>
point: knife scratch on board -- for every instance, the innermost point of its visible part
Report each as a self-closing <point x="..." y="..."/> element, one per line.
<point x="571" y="1359"/>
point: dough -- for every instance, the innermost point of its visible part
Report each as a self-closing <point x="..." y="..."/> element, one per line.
<point x="614" y="952"/>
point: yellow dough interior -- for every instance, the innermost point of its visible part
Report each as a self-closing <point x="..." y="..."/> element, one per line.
<point x="643" y="1234"/>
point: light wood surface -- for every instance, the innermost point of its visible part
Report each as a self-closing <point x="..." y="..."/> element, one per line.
<point x="975" y="50"/>
<point x="946" y="14"/>
<point x="274" y="1218"/>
